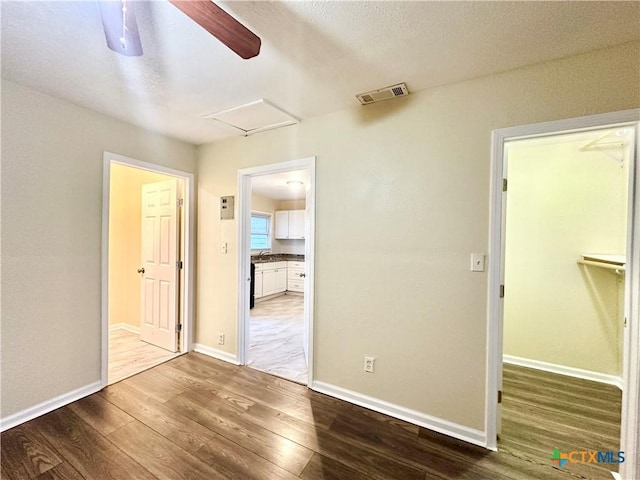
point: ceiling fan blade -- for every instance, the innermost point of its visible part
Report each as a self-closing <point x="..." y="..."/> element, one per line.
<point x="221" y="25"/>
<point x="120" y="27"/>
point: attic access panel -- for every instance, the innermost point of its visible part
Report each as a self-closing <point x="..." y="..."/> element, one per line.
<point x="254" y="117"/>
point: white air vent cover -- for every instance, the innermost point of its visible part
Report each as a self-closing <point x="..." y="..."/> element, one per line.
<point x="399" y="90"/>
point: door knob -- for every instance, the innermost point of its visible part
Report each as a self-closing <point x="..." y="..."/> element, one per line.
<point x="141" y="270"/>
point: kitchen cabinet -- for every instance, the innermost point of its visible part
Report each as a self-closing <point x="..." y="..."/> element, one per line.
<point x="295" y="276"/>
<point x="268" y="282"/>
<point x="282" y="224"/>
<point x="270" y="278"/>
<point x="296" y="224"/>
<point x="257" y="278"/>
<point x="281" y="280"/>
<point x="290" y="224"/>
<point x="257" y="293"/>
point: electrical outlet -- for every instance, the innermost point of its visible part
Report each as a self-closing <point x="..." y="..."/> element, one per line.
<point x="221" y="338"/>
<point x="369" y="364"/>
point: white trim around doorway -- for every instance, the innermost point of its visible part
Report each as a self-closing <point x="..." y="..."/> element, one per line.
<point x="187" y="249"/>
<point x="244" y="252"/>
<point x="630" y="430"/>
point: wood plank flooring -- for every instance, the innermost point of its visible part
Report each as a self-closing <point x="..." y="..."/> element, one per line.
<point x="129" y="355"/>
<point x="275" y="338"/>
<point x="195" y="417"/>
<point x="544" y="411"/>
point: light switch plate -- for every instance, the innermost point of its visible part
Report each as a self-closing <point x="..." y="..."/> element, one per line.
<point x="477" y="262"/>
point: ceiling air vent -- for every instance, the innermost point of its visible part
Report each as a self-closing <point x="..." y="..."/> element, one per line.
<point x="399" y="90"/>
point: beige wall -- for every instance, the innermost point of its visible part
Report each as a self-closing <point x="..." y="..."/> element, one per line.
<point x="402" y="200"/>
<point x="52" y="157"/>
<point x="561" y="203"/>
<point x="264" y="204"/>
<point x="291" y="205"/>
<point x="125" y="240"/>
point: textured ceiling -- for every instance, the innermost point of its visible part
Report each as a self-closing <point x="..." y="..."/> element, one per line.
<point x="275" y="185"/>
<point x="315" y="55"/>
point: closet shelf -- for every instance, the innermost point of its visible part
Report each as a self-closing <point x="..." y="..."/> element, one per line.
<point x="611" y="262"/>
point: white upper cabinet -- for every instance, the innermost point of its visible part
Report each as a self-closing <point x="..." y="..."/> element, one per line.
<point x="296" y="224"/>
<point x="290" y="224"/>
<point x="282" y="224"/>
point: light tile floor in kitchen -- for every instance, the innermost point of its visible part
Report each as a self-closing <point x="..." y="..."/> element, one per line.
<point x="275" y="338"/>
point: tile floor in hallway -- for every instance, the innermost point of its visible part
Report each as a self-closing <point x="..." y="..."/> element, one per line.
<point x="275" y="338"/>
<point x="129" y="355"/>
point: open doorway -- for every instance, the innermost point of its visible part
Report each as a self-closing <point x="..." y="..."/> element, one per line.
<point x="276" y="209"/>
<point x="146" y="245"/>
<point x="560" y="296"/>
<point x="565" y="255"/>
<point x="276" y="309"/>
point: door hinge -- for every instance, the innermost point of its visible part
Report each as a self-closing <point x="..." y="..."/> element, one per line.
<point x="504" y="184"/>
<point x="499" y="396"/>
<point x="179" y="264"/>
<point x="178" y="327"/>
<point x="501" y="291"/>
<point x="180" y="202"/>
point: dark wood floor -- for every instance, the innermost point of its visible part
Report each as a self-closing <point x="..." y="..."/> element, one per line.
<point x="198" y="418"/>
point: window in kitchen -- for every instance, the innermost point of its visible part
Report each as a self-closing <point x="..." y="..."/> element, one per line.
<point x="260" y="231"/>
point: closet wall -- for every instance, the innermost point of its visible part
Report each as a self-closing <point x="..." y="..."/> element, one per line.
<point x="562" y="202"/>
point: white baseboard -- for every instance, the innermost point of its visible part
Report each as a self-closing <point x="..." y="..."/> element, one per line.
<point x="564" y="370"/>
<point x="215" y="353"/>
<point x="48" y="406"/>
<point x="124" y="326"/>
<point x="439" y="425"/>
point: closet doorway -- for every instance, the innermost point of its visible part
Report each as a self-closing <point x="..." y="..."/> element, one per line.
<point x="564" y="239"/>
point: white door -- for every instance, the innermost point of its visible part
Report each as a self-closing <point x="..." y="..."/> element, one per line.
<point x="159" y="270"/>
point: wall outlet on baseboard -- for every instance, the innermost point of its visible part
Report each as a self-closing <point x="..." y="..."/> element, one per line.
<point x="369" y="364"/>
<point x="221" y="338"/>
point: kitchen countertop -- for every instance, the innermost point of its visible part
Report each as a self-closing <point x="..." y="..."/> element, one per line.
<point x="277" y="257"/>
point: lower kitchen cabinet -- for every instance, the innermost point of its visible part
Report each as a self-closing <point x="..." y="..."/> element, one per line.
<point x="257" y="292"/>
<point x="295" y="276"/>
<point x="270" y="278"/>
<point x="268" y="282"/>
<point x="281" y="279"/>
<point x="278" y="277"/>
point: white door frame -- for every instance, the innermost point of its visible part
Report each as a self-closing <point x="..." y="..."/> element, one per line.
<point x="631" y="369"/>
<point x="187" y="249"/>
<point x="244" y="251"/>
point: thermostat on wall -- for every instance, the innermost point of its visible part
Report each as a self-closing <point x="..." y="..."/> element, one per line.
<point x="226" y="208"/>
